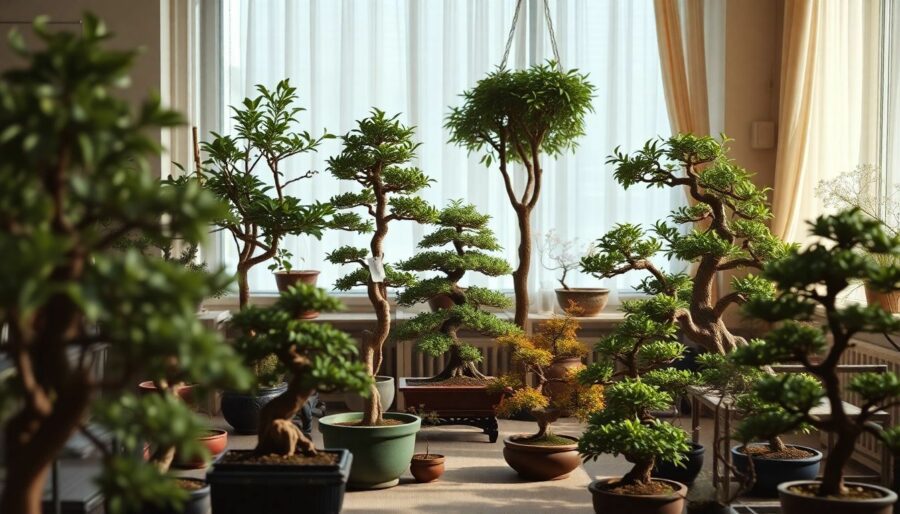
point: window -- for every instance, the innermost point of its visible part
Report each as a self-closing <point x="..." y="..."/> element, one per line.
<point x="890" y="112"/>
<point x="415" y="58"/>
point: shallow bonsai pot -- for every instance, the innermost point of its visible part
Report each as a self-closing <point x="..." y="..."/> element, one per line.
<point x="449" y="399"/>
<point x="286" y="279"/>
<point x="196" y="503"/>
<point x="686" y="474"/>
<point x="386" y="390"/>
<point x="591" y="300"/>
<point x="215" y="442"/>
<point x="796" y="503"/>
<point x="241" y="410"/>
<point x="771" y="472"/>
<point x="536" y="462"/>
<point x="184" y="391"/>
<point x="279" y="488"/>
<point x="606" y="502"/>
<point x="426" y="470"/>
<point x="380" y="454"/>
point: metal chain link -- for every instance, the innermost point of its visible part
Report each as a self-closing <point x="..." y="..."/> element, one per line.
<point x="512" y="33"/>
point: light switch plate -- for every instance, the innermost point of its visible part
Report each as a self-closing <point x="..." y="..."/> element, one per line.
<point x="762" y="135"/>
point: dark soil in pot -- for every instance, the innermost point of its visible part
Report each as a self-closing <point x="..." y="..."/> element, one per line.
<point x="591" y="300"/>
<point x="551" y="458"/>
<point x="798" y="497"/>
<point x="241" y="410"/>
<point x="197" y="502"/>
<point x="609" y="498"/>
<point x="285" y="279"/>
<point x="688" y="471"/>
<point x="426" y="468"/>
<point x="797" y="463"/>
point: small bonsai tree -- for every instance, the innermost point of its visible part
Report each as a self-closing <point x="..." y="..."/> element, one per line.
<point x="807" y="279"/>
<point x="315" y="356"/>
<point x="556" y="339"/>
<point x="516" y="116"/>
<point x="74" y="183"/>
<point x="375" y="155"/>
<point x="562" y="255"/>
<point x="731" y="233"/>
<point x="246" y="171"/>
<point x="466" y="231"/>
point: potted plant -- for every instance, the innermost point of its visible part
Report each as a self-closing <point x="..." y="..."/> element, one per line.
<point x="285" y="464"/>
<point x="731" y="213"/>
<point x="810" y="279"/>
<point x="515" y="117"/>
<point x="426" y="467"/>
<point x="545" y="455"/>
<point x="458" y="392"/>
<point x="558" y="254"/>
<point x="861" y="189"/>
<point x="376" y="156"/>
<point x="72" y="188"/>
<point x="286" y="276"/>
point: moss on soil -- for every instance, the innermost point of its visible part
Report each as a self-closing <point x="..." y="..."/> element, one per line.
<point x="547" y="440"/>
<point x="763" y="452"/>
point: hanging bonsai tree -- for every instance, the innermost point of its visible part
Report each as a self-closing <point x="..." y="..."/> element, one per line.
<point x="375" y="156"/>
<point x="814" y="278"/>
<point x="247" y="171"/>
<point x="729" y="214"/>
<point x="515" y="117"/>
<point x="465" y="230"/>
<point x="74" y="183"/>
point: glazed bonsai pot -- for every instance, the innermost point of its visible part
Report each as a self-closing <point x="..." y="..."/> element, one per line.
<point x="197" y="502"/>
<point x="772" y="472"/>
<point x="591" y="300"/>
<point x="286" y="279"/>
<point x="793" y="502"/>
<point x="541" y="462"/>
<point x="426" y="468"/>
<point x="449" y="399"/>
<point x="184" y="391"/>
<point x="241" y="410"/>
<point x="215" y="443"/>
<point x="687" y="473"/>
<point x="239" y="488"/>
<point x="608" y="502"/>
<point x="887" y="301"/>
<point x="380" y="454"/>
<point x="386" y="389"/>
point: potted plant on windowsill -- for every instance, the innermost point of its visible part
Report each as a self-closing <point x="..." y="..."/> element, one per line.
<point x="285" y="466"/>
<point x="558" y="254"/>
<point x="809" y="279"/>
<point x="286" y="276"/>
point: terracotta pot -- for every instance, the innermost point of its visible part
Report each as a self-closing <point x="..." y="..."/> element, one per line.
<point x="474" y="400"/>
<point x="534" y="462"/>
<point x="442" y="301"/>
<point x="560" y="368"/>
<point x="794" y="503"/>
<point x="285" y="279"/>
<point x="215" y="442"/>
<point x="888" y="301"/>
<point x="591" y="300"/>
<point x="606" y="502"/>
<point x="426" y="470"/>
<point x="184" y="391"/>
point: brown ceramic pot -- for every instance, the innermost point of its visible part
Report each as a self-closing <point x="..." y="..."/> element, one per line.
<point x="591" y="300"/>
<point x="535" y="462"/>
<point x="285" y="279"/>
<point x="184" y="391"/>
<point x="606" y="502"/>
<point x="426" y="469"/>
<point x="215" y="441"/>
<point x="888" y="301"/>
<point x="560" y="368"/>
<point x="794" y="503"/>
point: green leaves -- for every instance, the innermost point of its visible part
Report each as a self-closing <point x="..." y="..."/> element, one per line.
<point x="639" y="442"/>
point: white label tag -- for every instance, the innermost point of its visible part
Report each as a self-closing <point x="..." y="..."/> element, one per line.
<point x="376" y="269"/>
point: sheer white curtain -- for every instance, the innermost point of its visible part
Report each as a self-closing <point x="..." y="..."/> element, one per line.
<point x="415" y="58"/>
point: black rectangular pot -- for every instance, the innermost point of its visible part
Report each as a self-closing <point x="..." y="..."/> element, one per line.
<point x="277" y="489"/>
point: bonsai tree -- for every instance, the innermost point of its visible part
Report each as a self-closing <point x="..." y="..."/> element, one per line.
<point x="74" y="183"/>
<point x="316" y="357"/>
<point x="536" y="354"/>
<point x="562" y="255"/>
<point x="465" y="230"/>
<point x="239" y="169"/>
<point x="515" y="117"/>
<point x="375" y="155"/>
<point x="808" y="279"/>
<point x="730" y="214"/>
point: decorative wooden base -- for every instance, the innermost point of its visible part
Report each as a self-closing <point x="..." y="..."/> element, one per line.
<point x="488" y="424"/>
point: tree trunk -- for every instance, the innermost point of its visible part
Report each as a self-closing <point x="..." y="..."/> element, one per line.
<point x="840" y="454"/>
<point x="277" y="432"/>
<point x="520" y="275"/>
<point x="544" y="418"/>
<point x="776" y="444"/>
<point x="243" y="287"/>
<point x="456" y="366"/>
<point x="372" y="411"/>
<point x="640" y="473"/>
<point x="23" y="494"/>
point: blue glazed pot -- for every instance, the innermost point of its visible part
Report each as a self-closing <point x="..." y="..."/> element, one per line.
<point x="241" y="410"/>
<point x="772" y="472"/>
<point x="688" y="471"/>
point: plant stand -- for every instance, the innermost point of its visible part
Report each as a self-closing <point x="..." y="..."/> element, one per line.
<point x="488" y="424"/>
<point x="455" y="405"/>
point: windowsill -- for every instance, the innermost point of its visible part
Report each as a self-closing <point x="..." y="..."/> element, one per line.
<point x="868" y="337"/>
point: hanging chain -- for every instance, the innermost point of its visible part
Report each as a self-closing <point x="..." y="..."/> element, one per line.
<point x="512" y="33"/>
<point x="552" y="35"/>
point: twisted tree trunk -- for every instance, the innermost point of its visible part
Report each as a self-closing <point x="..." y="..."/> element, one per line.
<point x="520" y="275"/>
<point x="277" y="431"/>
<point x="641" y="473"/>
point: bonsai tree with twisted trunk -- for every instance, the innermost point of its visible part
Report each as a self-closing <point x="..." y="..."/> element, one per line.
<point x="374" y="156"/>
<point x="516" y="116"/>
<point x="74" y="184"/>
<point x="731" y="234"/>
<point x="814" y="278"/>
<point x="465" y="230"/>
<point x="238" y="168"/>
<point x="316" y="357"/>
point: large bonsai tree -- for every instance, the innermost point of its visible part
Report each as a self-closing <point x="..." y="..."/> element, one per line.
<point x="375" y="156"/>
<point x="466" y="231"/>
<point x="729" y="215"/>
<point x="515" y="117"/>
<point x="247" y="171"/>
<point x="315" y="356"/>
<point x="74" y="182"/>
<point x="814" y="278"/>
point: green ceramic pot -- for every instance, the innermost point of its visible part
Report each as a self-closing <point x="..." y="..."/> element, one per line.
<point x="380" y="454"/>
